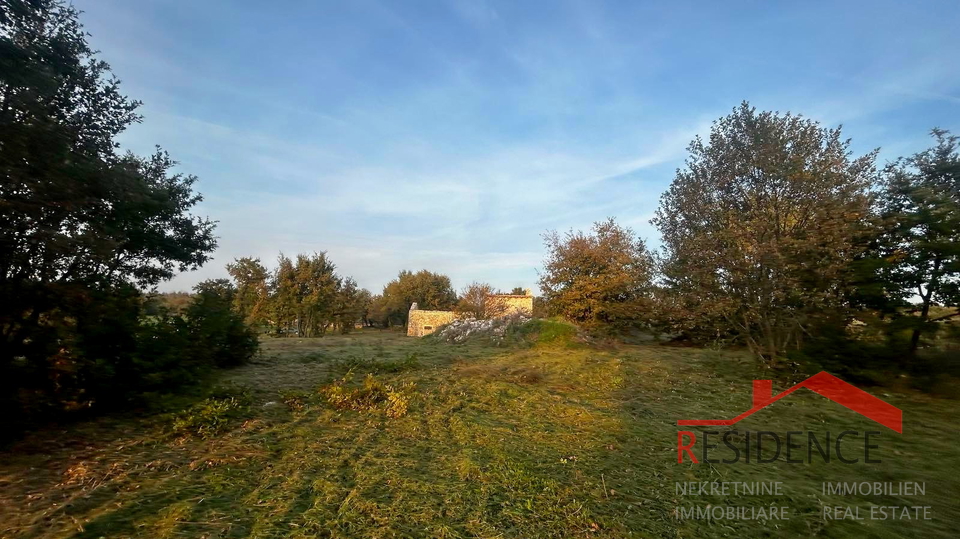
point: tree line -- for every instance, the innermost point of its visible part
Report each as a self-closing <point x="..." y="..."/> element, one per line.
<point x="306" y="297"/>
<point x="775" y="235"/>
<point x="303" y="296"/>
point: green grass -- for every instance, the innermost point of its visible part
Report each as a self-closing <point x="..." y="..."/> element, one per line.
<point x="544" y="438"/>
<point x="211" y="416"/>
<point x="546" y="332"/>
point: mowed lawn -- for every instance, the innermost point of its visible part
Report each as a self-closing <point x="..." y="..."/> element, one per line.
<point x="536" y="439"/>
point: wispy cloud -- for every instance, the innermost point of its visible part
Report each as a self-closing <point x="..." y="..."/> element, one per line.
<point x="450" y="136"/>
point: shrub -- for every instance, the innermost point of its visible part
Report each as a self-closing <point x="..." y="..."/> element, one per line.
<point x="372" y="395"/>
<point x="865" y="358"/>
<point x="599" y="279"/>
<point x="296" y="400"/>
<point x="212" y="415"/>
<point x="398" y="400"/>
<point x="221" y="337"/>
<point x="113" y="347"/>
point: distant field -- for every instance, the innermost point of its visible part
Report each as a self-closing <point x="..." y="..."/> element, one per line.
<point x="530" y="440"/>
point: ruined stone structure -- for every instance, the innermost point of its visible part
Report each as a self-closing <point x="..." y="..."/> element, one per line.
<point x="510" y="304"/>
<point x="421" y="323"/>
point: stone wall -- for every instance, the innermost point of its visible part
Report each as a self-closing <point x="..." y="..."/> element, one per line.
<point x="509" y="304"/>
<point x="421" y="323"/>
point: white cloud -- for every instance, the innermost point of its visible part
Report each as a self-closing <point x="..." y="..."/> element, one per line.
<point x="458" y="159"/>
<point x="475" y="217"/>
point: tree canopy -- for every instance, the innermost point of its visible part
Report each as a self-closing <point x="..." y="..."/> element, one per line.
<point x="429" y="290"/>
<point x="920" y="243"/>
<point x="597" y="279"/>
<point x="252" y="298"/>
<point x="303" y="296"/>
<point x="761" y="225"/>
<point x="83" y="226"/>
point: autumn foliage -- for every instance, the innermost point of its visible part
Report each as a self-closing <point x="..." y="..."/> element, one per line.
<point x="600" y="279"/>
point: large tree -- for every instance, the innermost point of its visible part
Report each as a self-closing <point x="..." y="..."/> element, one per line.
<point x="252" y="282"/>
<point x="317" y="289"/>
<point x="77" y="217"/>
<point x="378" y="313"/>
<point x="305" y="294"/>
<point x="761" y="225"/>
<point x="920" y="249"/>
<point x="427" y="289"/>
<point x="351" y="305"/>
<point x="284" y="302"/>
<point x="599" y="279"/>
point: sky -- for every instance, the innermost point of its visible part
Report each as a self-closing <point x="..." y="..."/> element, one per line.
<point x="450" y="135"/>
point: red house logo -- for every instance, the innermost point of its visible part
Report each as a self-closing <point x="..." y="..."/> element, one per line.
<point x="825" y="384"/>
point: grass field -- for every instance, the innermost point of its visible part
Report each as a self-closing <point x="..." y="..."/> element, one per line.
<point x="545" y="438"/>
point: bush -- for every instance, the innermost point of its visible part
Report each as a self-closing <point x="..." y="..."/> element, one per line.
<point x="371" y="396"/>
<point x="110" y="346"/>
<point x="220" y="336"/>
<point x="599" y="279"/>
<point x="212" y="415"/>
<point x="878" y="357"/>
<point x="854" y="360"/>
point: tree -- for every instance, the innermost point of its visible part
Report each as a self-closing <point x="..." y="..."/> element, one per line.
<point x="78" y="220"/>
<point x="761" y="226"/>
<point x="284" y="305"/>
<point x="920" y="206"/>
<point x="252" y="297"/>
<point x="429" y="290"/>
<point x="175" y="302"/>
<point x="305" y="296"/>
<point x="219" y="334"/>
<point x="351" y="306"/>
<point x="518" y="291"/>
<point x="599" y="279"/>
<point x="364" y="301"/>
<point x="317" y="286"/>
<point x="378" y="312"/>
<point x="478" y="300"/>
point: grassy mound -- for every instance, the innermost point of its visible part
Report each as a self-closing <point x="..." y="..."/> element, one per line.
<point x="545" y="332"/>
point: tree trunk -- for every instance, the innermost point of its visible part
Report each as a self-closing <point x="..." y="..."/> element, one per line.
<point x="924" y="315"/>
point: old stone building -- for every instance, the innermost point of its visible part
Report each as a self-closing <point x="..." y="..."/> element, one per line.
<point x="421" y="322"/>
<point x="510" y="304"/>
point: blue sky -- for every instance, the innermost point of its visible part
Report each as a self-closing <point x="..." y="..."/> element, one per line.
<point x="450" y="135"/>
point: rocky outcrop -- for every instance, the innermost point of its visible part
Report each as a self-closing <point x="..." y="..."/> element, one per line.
<point x="459" y="330"/>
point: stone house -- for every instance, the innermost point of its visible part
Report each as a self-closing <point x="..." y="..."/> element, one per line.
<point x="510" y="304"/>
<point x="421" y="323"/>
